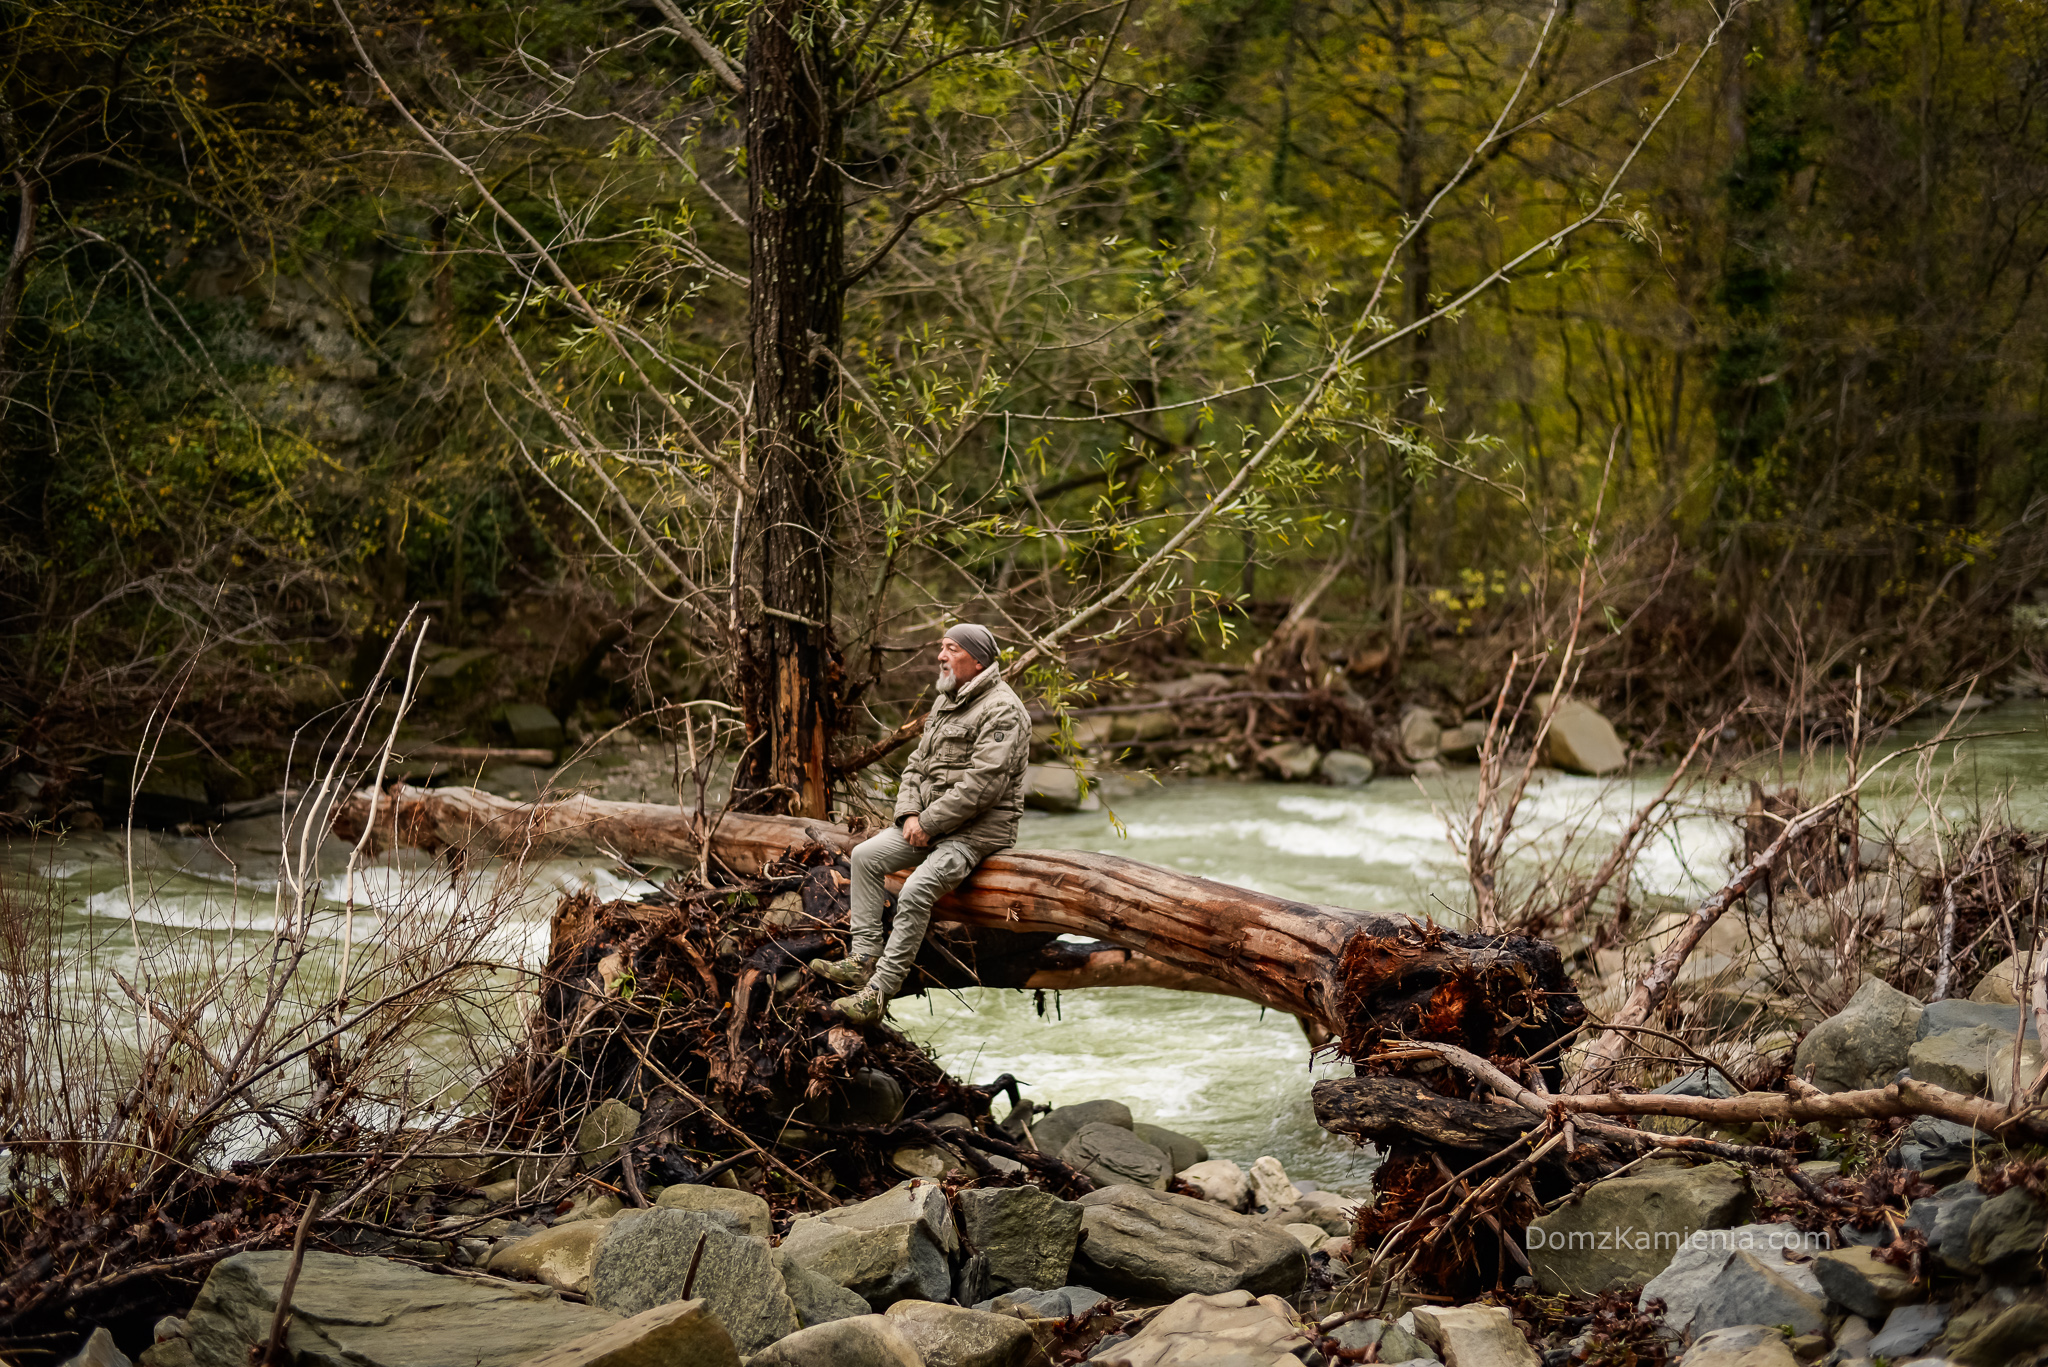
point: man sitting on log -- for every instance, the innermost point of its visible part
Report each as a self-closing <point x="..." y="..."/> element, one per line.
<point x="960" y="800"/>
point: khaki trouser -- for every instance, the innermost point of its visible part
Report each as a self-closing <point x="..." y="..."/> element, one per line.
<point x="940" y="867"/>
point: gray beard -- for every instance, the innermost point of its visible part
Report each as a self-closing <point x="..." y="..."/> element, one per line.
<point x="947" y="683"/>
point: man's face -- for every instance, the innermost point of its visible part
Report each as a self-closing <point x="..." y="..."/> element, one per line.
<point x="956" y="666"/>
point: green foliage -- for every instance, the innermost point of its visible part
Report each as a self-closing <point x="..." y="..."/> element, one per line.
<point x="266" y="339"/>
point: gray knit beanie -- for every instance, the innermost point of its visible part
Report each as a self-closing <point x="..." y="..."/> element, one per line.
<point x="977" y="641"/>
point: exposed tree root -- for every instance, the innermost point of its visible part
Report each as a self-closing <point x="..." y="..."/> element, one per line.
<point x="695" y="1009"/>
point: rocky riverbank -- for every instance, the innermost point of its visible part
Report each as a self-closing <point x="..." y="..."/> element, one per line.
<point x="1079" y="1233"/>
<point x="1174" y="1253"/>
<point x="1924" y="1247"/>
<point x="1932" y="1256"/>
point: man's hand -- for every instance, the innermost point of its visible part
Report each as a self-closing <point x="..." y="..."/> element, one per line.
<point x="914" y="833"/>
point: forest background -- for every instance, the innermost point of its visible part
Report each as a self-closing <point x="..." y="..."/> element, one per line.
<point x="729" y="352"/>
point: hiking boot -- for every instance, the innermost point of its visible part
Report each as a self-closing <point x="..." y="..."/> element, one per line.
<point x="863" y="1007"/>
<point x="852" y="973"/>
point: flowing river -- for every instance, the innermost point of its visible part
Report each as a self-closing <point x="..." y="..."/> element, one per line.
<point x="1218" y="1069"/>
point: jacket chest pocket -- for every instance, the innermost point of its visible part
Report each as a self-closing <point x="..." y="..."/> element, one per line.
<point x="956" y="742"/>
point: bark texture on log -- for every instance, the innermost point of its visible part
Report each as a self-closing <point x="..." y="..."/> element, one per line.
<point x="1362" y="975"/>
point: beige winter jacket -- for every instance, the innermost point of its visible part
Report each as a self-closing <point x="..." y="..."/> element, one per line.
<point x="965" y="780"/>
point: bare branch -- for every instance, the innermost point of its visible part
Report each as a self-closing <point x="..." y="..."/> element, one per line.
<point x="1605" y="1052"/>
<point x="934" y="200"/>
<point x="867" y="91"/>
<point x="591" y="313"/>
<point x="731" y="74"/>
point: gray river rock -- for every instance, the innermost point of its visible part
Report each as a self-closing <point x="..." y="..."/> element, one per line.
<point x="370" y="1312"/>
<point x="1026" y="1235"/>
<point x="1946" y="1218"/>
<point x="1182" y="1151"/>
<point x="562" y="1257"/>
<point x="1859" y="1282"/>
<point x="949" y="1336"/>
<point x="1227" y="1329"/>
<point x="744" y="1211"/>
<point x="862" y="1341"/>
<point x="892" y="1247"/>
<point x="99" y="1351"/>
<point x="1749" y="1290"/>
<point x="2008" y="1230"/>
<point x="1110" y="1154"/>
<point x="1865" y="1044"/>
<point x="1153" y="1244"/>
<point x="1693" y="1271"/>
<point x="818" y="1299"/>
<point x="680" y="1332"/>
<point x="1626" y="1230"/>
<point x="645" y="1257"/>
<point x="1053" y="1131"/>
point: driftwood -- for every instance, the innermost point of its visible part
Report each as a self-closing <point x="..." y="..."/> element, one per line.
<point x="1908" y="1097"/>
<point x="1357" y="974"/>
<point x="1397" y="1110"/>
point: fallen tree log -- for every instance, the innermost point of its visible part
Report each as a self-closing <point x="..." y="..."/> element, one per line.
<point x="1360" y="975"/>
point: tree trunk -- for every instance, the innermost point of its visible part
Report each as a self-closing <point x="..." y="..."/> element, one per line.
<point x="1357" y="974"/>
<point x="787" y="665"/>
<point x="16" y="271"/>
<point x="1413" y="405"/>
